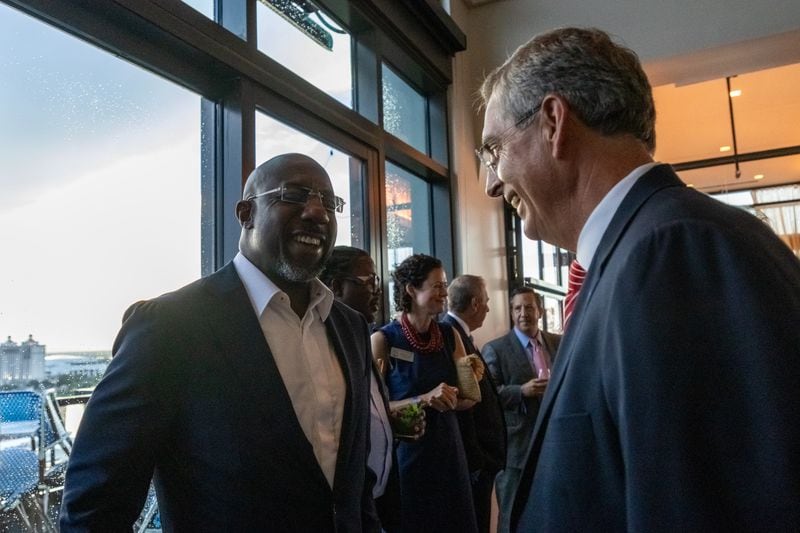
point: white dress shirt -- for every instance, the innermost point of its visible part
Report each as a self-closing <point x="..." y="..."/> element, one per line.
<point x="305" y="359"/>
<point x="381" y="439"/>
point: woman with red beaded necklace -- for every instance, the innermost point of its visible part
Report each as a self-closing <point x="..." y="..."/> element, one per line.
<point x="416" y="355"/>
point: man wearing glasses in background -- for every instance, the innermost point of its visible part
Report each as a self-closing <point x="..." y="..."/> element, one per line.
<point x="673" y="403"/>
<point x="246" y="394"/>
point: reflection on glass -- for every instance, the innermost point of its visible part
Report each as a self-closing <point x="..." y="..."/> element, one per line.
<point x="408" y="218"/>
<point x="275" y="138"/>
<point x="404" y="111"/>
<point x="101" y="197"/>
<point x="328" y="70"/>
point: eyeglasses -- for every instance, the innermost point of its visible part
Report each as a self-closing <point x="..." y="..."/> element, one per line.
<point x="489" y="152"/>
<point x="294" y="194"/>
<point x="372" y="280"/>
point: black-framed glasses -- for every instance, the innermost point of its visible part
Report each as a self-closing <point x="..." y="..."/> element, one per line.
<point x="295" y="194"/>
<point x="489" y="152"/>
<point x="372" y="280"/>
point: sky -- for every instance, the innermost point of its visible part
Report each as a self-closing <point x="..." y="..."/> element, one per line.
<point x="100" y="173"/>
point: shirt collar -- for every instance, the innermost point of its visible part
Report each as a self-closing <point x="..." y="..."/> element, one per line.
<point x="261" y="290"/>
<point x="524" y="339"/>
<point x="598" y="221"/>
<point x="461" y="323"/>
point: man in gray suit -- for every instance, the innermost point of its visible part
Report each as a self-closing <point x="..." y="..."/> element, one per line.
<point x="520" y="363"/>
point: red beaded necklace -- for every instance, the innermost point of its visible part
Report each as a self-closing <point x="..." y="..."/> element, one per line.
<point x="434" y="344"/>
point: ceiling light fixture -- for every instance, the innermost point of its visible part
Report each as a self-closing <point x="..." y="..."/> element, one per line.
<point x="738" y="171"/>
<point x="725" y="148"/>
<point x="298" y="12"/>
<point x="758" y="177"/>
<point x="734" y="93"/>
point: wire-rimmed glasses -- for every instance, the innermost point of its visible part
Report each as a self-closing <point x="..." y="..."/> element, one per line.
<point x="295" y="194"/>
<point x="489" y="152"/>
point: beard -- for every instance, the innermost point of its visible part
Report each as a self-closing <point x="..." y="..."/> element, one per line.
<point x="299" y="273"/>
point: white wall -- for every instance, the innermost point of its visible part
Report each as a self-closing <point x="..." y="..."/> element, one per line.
<point x="480" y="246"/>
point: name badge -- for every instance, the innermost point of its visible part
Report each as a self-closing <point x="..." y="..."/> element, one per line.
<point x="403" y="355"/>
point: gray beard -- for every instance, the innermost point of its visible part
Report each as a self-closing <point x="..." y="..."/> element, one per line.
<point x="297" y="272"/>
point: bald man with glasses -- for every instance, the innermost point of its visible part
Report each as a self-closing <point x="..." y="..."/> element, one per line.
<point x="245" y="394"/>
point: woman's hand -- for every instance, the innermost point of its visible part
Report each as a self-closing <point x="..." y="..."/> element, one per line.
<point x="408" y="422"/>
<point x="442" y="398"/>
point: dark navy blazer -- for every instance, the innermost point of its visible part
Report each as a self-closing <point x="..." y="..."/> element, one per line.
<point x="674" y="402"/>
<point x="194" y="395"/>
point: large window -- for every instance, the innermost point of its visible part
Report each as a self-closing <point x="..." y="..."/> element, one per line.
<point x="274" y="138"/>
<point x="122" y="160"/>
<point x="101" y="194"/>
<point x="539" y="265"/>
<point x="404" y="111"/>
<point x="408" y="218"/>
<point x="778" y="207"/>
<point x="299" y="41"/>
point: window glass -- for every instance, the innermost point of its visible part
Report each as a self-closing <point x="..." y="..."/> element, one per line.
<point x="101" y="196"/>
<point x="206" y="7"/>
<point x="552" y="314"/>
<point x="404" y="111"/>
<point x="275" y="138"/>
<point x="408" y="214"/>
<point x="549" y="263"/>
<point x="778" y="207"/>
<point x="283" y="41"/>
<point x="530" y="260"/>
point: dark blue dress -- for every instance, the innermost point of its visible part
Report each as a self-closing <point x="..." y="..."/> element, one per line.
<point x="435" y="489"/>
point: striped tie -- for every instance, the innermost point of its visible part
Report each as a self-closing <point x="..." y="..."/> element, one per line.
<point x="576" y="276"/>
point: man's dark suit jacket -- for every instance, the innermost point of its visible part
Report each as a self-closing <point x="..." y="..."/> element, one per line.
<point x="482" y="427"/>
<point x="194" y="394"/>
<point x="674" y="401"/>
<point x="511" y="368"/>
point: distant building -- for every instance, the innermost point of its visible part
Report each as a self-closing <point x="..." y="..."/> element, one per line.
<point x="75" y="365"/>
<point x="22" y="362"/>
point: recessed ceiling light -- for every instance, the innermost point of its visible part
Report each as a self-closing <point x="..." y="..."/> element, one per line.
<point x="690" y="185"/>
<point x="736" y="92"/>
<point x="758" y="177"/>
<point x="724" y="148"/>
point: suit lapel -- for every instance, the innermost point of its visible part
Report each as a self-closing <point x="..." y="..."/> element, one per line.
<point x="657" y="178"/>
<point x="241" y="341"/>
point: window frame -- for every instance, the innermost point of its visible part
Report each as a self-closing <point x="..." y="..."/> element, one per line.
<point x="219" y="60"/>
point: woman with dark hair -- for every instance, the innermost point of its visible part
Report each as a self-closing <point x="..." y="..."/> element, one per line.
<point x="417" y="356"/>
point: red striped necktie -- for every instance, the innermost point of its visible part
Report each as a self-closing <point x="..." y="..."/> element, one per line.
<point x="576" y="276"/>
